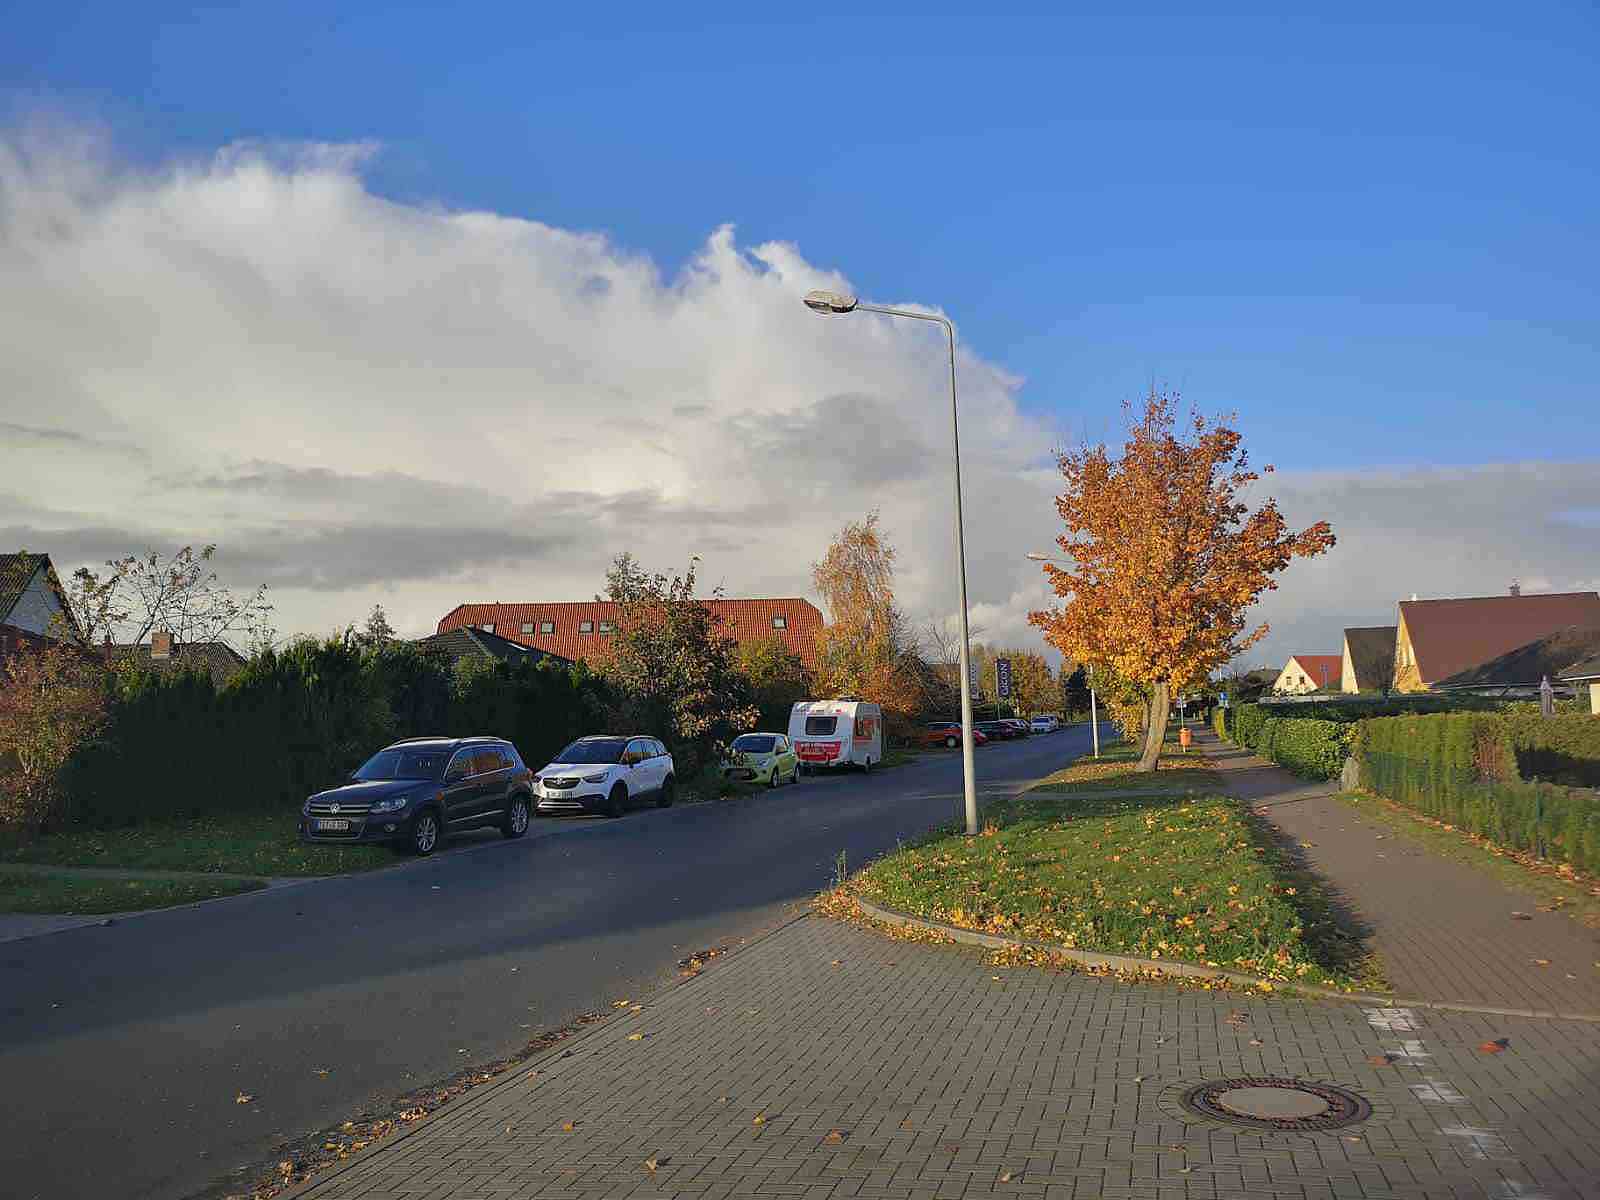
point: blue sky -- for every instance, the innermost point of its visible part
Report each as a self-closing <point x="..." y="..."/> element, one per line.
<point x="1379" y="240"/>
<point x="379" y="377"/>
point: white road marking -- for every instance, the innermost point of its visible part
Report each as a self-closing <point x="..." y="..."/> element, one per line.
<point x="1411" y="1051"/>
<point x="1395" y="1020"/>
<point x="1437" y="1091"/>
<point x="1481" y="1143"/>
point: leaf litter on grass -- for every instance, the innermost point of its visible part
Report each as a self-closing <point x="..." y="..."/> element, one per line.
<point x="1175" y="877"/>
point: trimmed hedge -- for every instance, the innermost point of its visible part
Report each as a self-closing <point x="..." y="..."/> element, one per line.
<point x="300" y="719"/>
<point x="1463" y="768"/>
<point x="1308" y="746"/>
<point x="1315" y="749"/>
<point x="1561" y="749"/>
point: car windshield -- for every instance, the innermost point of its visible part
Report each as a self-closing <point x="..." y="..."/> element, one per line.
<point x="586" y="751"/>
<point x="821" y="726"/>
<point x="754" y="743"/>
<point x="396" y="763"/>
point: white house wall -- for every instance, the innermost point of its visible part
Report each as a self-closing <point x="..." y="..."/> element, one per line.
<point x="36" y="608"/>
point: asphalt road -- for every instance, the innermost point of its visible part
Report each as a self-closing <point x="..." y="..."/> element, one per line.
<point x="122" y="1048"/>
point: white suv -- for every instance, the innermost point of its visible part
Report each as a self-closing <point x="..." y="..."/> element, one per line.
<point x="1044" y="723"/>
<point x="605" y="774"/>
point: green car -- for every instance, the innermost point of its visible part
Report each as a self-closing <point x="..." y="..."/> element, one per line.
<point x="762" y="758"/>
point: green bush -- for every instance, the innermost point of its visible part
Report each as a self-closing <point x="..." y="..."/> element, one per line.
<point x="1219" y="721"/>
<point x="1462" y="768"/>
<point x="300" y="719"/>
<point x="1561" y="749"/>
<point x="1315" y="749"/>
<point x="1308" y="746"/>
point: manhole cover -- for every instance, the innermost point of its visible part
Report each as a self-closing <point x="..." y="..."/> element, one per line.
<point x="1286" y="1105"/>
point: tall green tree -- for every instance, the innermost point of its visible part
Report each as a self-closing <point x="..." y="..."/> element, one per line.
<point x="675" y="673"/>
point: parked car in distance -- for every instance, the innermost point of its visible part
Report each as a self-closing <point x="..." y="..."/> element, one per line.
<point x="1022" y="727"/>
<point x="948" y="735"/>
<point x="997" y="731"/>
<point x="767" y="758"/>
<point x="606" y="774"/>
<point x="1045" y="723"/>
<point x="420" y="791"/>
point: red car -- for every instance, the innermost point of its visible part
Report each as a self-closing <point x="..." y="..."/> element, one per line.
<point x="948" y="734"/>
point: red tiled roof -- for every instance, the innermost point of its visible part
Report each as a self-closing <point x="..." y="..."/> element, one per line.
<point x="742" y="620"/>
<point x="1452" y="636"/>
<point x="1324" y="670"/>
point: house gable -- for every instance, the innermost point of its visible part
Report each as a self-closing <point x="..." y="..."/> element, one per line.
<point x="1368" y="663"/>
<point x="31" y="596"/>
<point x="1443" y="638"/>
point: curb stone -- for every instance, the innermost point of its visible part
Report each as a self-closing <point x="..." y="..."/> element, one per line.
<point x="1186" y="970"/>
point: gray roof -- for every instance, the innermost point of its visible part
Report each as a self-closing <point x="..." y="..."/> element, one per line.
<point x="467" y="642"/>
<point x="1553" y="655"/>
<point x="1372" y="655"/>
<point x="1588" y="668"/>
<point x="218" y="659"/>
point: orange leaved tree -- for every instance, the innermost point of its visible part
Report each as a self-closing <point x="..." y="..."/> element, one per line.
<point x="866" y="649"/>
<point x="1166" y="560"/>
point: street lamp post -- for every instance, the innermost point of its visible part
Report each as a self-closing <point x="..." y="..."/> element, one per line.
<point x="1094" y="707"/>
<point x="834" y="304"/>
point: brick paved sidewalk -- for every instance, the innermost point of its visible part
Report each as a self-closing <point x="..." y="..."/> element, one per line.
<point x="943" y="1076"/>
<point x="1443" y="929"/>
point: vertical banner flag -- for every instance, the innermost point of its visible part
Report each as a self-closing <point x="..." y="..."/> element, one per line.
<point x="972" y="679"/>
<point x="1002" y="677"/>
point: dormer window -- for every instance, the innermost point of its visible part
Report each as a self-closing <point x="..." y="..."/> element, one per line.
<point x="780" y="622"/>
<point x="585" y="626"/>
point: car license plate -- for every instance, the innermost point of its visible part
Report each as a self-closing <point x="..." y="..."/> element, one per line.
<point x="333" y="825"/>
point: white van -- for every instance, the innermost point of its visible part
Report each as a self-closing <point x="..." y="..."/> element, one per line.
<point x="836" y="733"/>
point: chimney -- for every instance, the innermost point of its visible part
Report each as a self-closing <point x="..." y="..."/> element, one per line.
<point x="160" y="644"/>
<point x="1516" y="588"/>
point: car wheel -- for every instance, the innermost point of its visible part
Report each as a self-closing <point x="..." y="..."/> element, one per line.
<point x="950" y="743"/>
<point x="665" y="799"/>
<point x="772" y="779"/>
<point x="425" y="833"/>
<point x="866" y="767"/>
<point x="516" y="817"/>
<point x="617" y="801"/>
<point x="794" y="775"/>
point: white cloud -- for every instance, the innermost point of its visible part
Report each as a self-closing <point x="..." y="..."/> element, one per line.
<point x="361" y="400"/>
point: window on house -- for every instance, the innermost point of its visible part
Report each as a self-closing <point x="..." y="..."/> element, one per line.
<point x="487" y="627"/>
<point x="585" y="626"/>
<point x="547" y="626"/>
<point x="527" y="627"/>
<point x="607" y="627"/>
<point x="780" y="622"/>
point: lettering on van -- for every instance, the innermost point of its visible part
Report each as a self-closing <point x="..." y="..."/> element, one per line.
<point x="816" y="751"/>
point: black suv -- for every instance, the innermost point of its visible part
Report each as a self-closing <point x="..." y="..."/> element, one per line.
<point x="419" y="791"/>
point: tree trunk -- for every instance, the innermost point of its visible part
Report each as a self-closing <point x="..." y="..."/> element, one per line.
<point x="1155" y="732"/>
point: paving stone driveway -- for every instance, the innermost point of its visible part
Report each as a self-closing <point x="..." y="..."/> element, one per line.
<point x="1442" y="928"/>
<point x="941" y="1079"/>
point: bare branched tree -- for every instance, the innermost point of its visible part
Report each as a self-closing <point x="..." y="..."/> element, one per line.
<point x="179" y="594"/>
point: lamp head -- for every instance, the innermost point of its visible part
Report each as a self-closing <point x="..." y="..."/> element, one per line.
<point x="830" y="303"/>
